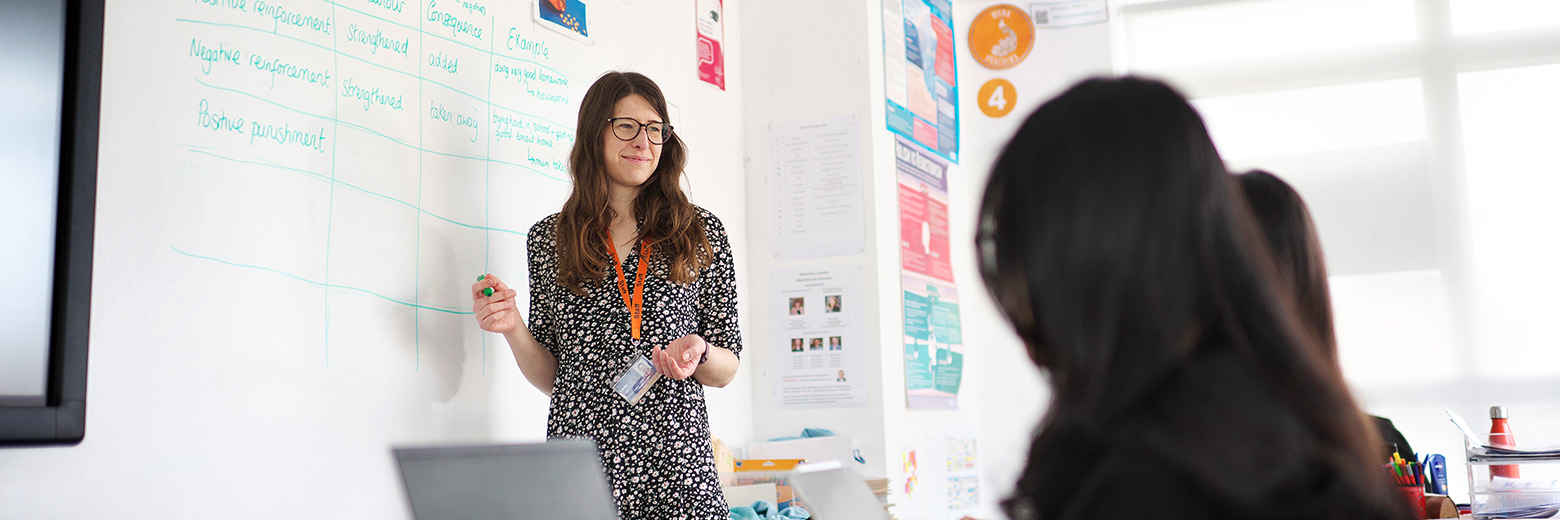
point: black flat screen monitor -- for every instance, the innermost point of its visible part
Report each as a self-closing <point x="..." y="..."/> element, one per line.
<point x="52" y="56"/>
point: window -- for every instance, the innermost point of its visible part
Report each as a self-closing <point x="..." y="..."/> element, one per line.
<point x="1316" y="119"/>
<point x="1485" y="16"/>
<point x="1260" y="29"/>
<point x="1421" y="134"/>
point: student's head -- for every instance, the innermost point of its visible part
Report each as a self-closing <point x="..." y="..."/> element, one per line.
<point x="1112" y="239"/>
<point x="834" y="340"/>
<point x="1101" y="227"/>
<point x="601" y="162"/>
<point x="1291" y="237"/>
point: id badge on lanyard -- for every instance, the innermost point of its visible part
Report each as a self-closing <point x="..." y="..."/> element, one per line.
<point x="636" y="379"/>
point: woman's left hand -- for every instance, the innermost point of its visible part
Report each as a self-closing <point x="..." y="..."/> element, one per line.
<point x="680" y="358"/>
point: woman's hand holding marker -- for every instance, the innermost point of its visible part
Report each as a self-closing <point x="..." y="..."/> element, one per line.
<point x="486" y="291"/>
<point x="494" y="305"/>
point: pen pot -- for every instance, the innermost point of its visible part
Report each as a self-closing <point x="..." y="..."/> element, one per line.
<point x="1415" y="495"/>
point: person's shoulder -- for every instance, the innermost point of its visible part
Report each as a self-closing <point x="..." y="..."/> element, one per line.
<point x="1096" y="492"/>
<point x="712" y="223"/>
<point x="544" y="231"/>
<point x="547" y="226"/>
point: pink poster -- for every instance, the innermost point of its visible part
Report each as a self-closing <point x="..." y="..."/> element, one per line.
<point x="923" y="212"/>
<point x="712" y="59"/>
<point x="923" y="231"/>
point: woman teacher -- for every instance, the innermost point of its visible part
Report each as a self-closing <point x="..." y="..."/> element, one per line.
<point x="628" y="274"/>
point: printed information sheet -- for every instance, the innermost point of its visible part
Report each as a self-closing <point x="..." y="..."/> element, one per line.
<point x="815" y="189"/>
<point x="818" y="358"/>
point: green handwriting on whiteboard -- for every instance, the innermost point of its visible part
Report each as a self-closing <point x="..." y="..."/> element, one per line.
<point x="317" y="283"/>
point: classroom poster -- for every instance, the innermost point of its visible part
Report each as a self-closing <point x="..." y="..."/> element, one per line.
<point x="815" y="193"/>
<point x="1001" y="37"/>
<point x="908" y="497"/>
<point x="817" y="356"/>
<point x="961" y="459"/>
<point x="934" y="350"/>
<point x="938" y="476"/>
<point x="920" y="78"/>
<point x="567" y="17"/>
<point x="933" y="342"/>
<point x="923" y="212"/>
<point x="711" y="32"/>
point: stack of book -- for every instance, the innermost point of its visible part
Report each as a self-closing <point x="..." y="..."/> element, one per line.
<point x="879" y="487"/>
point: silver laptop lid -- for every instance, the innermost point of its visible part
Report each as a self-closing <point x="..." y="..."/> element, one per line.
<point x="831" y="491"/>
<point x="552" y="480"/>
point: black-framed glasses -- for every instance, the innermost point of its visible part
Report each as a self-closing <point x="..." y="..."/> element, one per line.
<point x="986" y="247"/>
<point x="627" y="128"/>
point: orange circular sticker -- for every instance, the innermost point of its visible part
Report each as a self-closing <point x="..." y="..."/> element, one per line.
<point x="1001" y="36"/>
<point x="997" y="97"/>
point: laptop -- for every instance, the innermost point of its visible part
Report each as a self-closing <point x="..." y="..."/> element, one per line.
<point x="831" y="491"/>
<point x="551" y="480"/>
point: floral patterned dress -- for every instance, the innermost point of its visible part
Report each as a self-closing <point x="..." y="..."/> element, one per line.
<point x="656" y="453"/>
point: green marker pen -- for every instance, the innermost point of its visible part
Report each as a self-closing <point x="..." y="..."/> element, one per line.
<point x="486" y="291"/>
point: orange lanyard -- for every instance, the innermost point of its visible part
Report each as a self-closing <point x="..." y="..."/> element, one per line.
<point x="636" y="303"/>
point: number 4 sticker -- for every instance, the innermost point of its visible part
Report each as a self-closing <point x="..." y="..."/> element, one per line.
<point x="997" y="97"/>
<point x="997" y="102"/>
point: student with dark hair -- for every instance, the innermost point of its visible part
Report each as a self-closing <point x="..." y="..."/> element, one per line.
<point x="1183" y="383"/>
<point x="628" y="270"/>
<point x="1297" y="253"/>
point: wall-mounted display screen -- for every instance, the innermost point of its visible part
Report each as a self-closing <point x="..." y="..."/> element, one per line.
<point x="32" y="36"/>
<point x="50" y="84"/>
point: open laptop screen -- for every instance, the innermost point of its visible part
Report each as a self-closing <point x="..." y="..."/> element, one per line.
<point x="831" y="491"/>
<point x="560" y="479"/>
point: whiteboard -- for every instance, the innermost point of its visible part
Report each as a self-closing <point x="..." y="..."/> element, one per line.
<point x="294" y="198"/>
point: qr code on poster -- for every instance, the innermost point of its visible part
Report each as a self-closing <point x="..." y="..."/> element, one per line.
<point x="1042" y="17"/>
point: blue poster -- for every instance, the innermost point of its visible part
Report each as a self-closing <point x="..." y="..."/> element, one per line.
<point x="921" y="85"/>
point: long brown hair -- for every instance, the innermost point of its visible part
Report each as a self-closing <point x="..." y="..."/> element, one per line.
<point x="670" y="222"/>
<point x="1291" y="236"/>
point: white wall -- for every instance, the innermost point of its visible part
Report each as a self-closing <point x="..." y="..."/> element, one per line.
<point x="837" y="73"/>
<point x="820" y="72"/>
<point x="269" y="321"/>
<point x="1011" y="394"/>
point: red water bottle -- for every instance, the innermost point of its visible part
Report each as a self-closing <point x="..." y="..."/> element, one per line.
<point x="1500" y="435"/>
